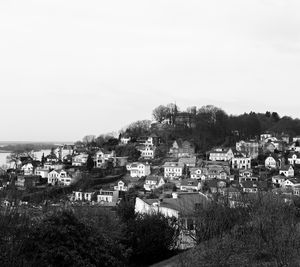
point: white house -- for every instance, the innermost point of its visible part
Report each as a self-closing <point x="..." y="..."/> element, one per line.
<point x="147" y="152"/>
<point x="64" y="178"/>
<point x="101" y="158"/>
<point x="53" y="166"/>
<point x="53" y="177"/>
<point x="249" y="148"/>
<point x="153" y="182"/>
<point x="79" y="160"/>
<point x="265" y="136"/>
<point x="43" y="172"/>
<point x="294" y="158"/>
<point x="197" y="173"/>
<point x="181" y="206"/>
<point x="221" y="154"/>
<point x="241" y="163"/>
<point x="107" y="197"/>
<point x="291" y="183"/>
<point x="296" y="138"/>
<point x="138" y="169"/>
<point x="27" y="169"/>
<point x="190" y="185"/>
<point x="271" y="163"/>
<point x="278" y="180"/>
<point x="125" y="140"/>
<point x="287" y="171"/>
<point x="173" y="170"/>
<point x="246" y="173"/>
<point x="121" y="186"/>
<point x="83" y="196"/>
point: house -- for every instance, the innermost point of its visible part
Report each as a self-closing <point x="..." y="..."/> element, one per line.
<point x="139" y="169"/>
<point x="182" y="149"/>
<point x="52" y="158"/>
<point x="215" y="172"/>
<point x="152" y="140"/>
<point x="189" y="162"/>
<point x="278" y="180"/>
<point x="249" y="186"/>
<point x="102" y="157"/>
<point x="249" y="178"/>
<point x="173" y="170"/>
<point x="64" y="178"/>
<point x="296" y="138"/>
<point x="53" y="177"/>
<point x="153" y="182"/>
<point x="27" y="169"/>
<point x="125" y="140"/>
<point x="269" y="147"/>
<point x="215" y="185"/>
<point x="241" y="162"/>
<point x="80" y="160"/>
<point x="83" y="195"/>
<point x="221" y="154"/>
<point x="41" y="171"/>
<point x="285" y="138"/>
<point x="231" y="192"/>
<point x="121" y="186"/>
<point x="295" y="147"/>
<point x="248" y="148"/>
<point x="190" y="185"/>
<point x="246" y="173"/>
<point x="291" y="182"/>
<point x="53" y="166"/>
<point x="271" y="162"/>
<point x="108" y="197"/>
<point x="196" y="173"/>
<point x="26" y="181"/>
<point x="147" y="151"/>
<point x="294" y="158"/>
<point x="182" y="206"/>
<point x="265" y="136"/>
<point x="63" y="151"/>
<point x="296" y="190"/>
<point x="287" y="171"/>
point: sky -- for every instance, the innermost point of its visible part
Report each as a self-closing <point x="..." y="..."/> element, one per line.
<point x="73" y="68"/>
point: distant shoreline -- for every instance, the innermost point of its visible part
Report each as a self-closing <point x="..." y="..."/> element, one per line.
<point x="5" y="151"/>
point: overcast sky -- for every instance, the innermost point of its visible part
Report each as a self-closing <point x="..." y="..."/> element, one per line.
<point x="70" y="68"/>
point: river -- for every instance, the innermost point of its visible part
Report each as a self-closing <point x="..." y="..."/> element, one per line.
<point x="38" y="155"/>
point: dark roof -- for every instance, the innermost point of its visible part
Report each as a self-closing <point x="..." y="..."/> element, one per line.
<point x="185" y="203"/>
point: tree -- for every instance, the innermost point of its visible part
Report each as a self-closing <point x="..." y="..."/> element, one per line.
<point x="160" y="113"/>
<point x="62" y="239"/>
<point x="90" y="163"/>
<point x="88" y="139"/>
<point x="152" y="237"/>
<point x="275" y="116"/>
<point x="128" y="151"/>
<point x="43" y="159"/>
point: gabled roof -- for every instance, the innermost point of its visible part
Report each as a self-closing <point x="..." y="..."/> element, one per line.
<point x="286" y="168"/>
<point x="184" y="204"/>
<point x="191" y="160"/>
<point x="154" y="178"/>
<point x="294" y="180"/>
<point x="248" y="184"/>
<point x="220" y="150"/>
<point x="173" y="164"/>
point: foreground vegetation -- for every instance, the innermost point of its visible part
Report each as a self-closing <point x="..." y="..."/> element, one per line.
<point x="263" y="231"/>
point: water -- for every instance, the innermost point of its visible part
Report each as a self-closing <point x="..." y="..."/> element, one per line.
<point x="38" y="155"/>
<point x="3" y="158"/>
